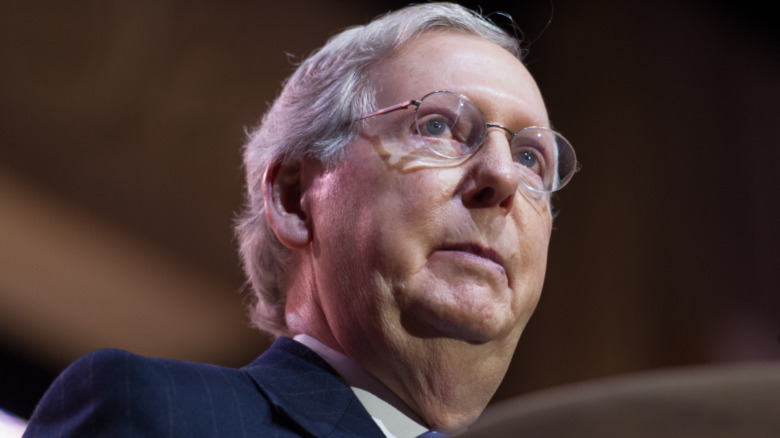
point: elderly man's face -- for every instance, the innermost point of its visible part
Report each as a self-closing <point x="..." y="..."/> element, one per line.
<point x="405" y="251"/>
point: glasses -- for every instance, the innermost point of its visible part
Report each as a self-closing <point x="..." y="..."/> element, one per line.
<point x="452" y="126"/>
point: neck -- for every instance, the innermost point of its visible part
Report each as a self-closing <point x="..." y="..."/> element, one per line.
<point x="447" y="382"/>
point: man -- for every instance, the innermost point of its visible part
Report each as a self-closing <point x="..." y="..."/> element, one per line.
<point x="397" y="225"/>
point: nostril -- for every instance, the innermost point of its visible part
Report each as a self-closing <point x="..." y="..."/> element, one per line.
<point x="508" y="202"/>
<point x="485" y="195"/>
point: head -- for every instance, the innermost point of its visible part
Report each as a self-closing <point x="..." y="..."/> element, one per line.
<point x="360" y="233"/>
<point x="330" y="89"/>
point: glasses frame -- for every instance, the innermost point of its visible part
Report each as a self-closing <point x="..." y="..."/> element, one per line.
<point x="417" y="102"/>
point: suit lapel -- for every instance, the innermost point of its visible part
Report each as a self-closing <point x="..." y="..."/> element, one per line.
<point x="301" y="384"/>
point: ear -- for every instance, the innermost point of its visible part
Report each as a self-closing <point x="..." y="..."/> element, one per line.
<point x="282" y="193"/>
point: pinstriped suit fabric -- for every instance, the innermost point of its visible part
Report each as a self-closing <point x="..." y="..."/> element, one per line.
<point x="287" y="392"/>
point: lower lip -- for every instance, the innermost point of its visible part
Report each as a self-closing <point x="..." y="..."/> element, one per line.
<point x="475" y="258"/>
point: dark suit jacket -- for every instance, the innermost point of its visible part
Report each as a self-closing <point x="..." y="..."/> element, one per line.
<point x="289" y="391"/>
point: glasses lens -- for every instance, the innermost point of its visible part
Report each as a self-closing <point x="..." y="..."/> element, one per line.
<point x="450" y="125"/>
<point x="545" y="159"/>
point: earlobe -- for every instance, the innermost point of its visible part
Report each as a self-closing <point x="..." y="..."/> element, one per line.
<point x="282" y="192"/>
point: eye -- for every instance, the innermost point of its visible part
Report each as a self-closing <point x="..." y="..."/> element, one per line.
<point x="435" y="126"/>
<point x="531" y="159"/>
<point x="449" y="124"/>
<point x="527" y="159"/>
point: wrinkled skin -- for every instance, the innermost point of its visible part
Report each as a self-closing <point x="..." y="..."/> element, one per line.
<point x="424" y="275"/>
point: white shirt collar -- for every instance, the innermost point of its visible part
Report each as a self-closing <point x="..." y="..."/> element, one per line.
<point x="389" y="412"/>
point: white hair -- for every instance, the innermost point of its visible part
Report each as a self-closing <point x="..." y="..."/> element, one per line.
<point x="313" y="118"/>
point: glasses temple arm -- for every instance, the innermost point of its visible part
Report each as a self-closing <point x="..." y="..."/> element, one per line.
<point x="400" y="106"/>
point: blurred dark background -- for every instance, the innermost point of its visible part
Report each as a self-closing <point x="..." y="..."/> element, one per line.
<point x="120" y="175"/>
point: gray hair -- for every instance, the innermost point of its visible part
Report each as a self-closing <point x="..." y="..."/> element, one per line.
<point x="313" y="118"/>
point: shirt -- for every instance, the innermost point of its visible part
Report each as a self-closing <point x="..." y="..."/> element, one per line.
<point x="390" y="413"/>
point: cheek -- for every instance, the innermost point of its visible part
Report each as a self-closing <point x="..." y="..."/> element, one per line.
<point x="384" y="243"/>
<point x="376" y="225"/>
<point x="407" y="215"/>
<point x="536" y="229"/>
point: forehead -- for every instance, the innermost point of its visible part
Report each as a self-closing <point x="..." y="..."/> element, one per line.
<point x="453" y="61"/>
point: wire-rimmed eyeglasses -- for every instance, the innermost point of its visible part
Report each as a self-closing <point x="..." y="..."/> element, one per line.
<point x="452" y="126"/>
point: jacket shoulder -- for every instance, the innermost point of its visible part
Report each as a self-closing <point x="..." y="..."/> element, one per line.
<point x="113" y="392"/>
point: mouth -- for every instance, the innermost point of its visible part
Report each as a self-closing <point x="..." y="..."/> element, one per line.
<point x="476" y="250"/>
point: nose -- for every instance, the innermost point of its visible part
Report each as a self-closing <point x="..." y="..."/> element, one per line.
<point x="492" y="177"/>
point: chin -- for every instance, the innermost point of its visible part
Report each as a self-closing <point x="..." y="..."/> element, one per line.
<point x="484" y="318"/>
<point x="478" y="332"/>
<point x="473" y="310"/>
<point x="453" y="423"/>
<point x="469" y="324"/>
